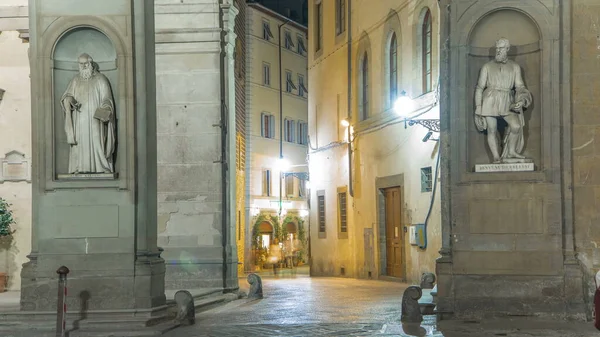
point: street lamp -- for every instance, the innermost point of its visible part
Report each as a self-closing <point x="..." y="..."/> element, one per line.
<point x="405" y="106"/>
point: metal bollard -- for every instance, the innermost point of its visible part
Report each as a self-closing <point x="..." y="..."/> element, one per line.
<point x="61" y="306"/>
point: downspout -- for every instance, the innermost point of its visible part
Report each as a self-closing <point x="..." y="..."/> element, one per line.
<point x="349" y="28"/>
<point x="223" y="125"/>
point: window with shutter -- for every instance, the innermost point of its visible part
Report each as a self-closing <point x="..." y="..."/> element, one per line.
<point x="266" y="74"/>
<point x="289" y="186"/>
<point x="267" y="30"/>
<point x="267" y="183"/>
<point x="301" y="49"/>
<point x="321" y="214"/>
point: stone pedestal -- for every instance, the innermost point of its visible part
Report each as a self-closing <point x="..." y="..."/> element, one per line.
<point x="507" y="228"/>
<point x="102" y="226"/>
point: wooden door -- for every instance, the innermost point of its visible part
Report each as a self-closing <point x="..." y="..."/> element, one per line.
<point x="394" y="234"/>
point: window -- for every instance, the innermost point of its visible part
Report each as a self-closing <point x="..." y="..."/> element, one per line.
<point x="289" y="84"/>
<point x="393" y="69"/>
<point x="426" y="181"/>
<point x="340" y="16"/>
<point x="426" y="52"/>
<point x="267" y="127"/>
<point x="319" y="28"/>
<point x="266" y="74"/>
<point x="302" y="133"/>
<point x="267" y="31"/>
<point x="290" y="128"/>
<point x="301" y="88"/>
<point x="301" y="49"/>
<point x="321" y="213"/>
<point x="301" y="188"/>
<point x="365" y="87"/>
<point x="342" y="209"/>
<point x="289" y="44"/>
<point x="289" y="186"/>
<point x="267" y="183"/>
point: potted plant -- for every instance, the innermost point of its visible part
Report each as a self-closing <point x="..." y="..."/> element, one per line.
<point x="6" y="232"/>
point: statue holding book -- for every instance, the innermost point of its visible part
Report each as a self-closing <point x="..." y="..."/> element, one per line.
<point x="89" y="120"/>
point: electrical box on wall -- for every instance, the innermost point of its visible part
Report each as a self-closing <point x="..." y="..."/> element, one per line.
<point x="420" y="235"/>
<point x="412" y="235"/>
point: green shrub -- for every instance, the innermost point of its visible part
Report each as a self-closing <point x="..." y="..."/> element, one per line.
<point x="6" y="219"/>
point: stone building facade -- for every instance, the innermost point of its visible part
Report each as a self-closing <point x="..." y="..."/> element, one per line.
<point x="240" y="130"/>
<point x="521" y="243"/>
<point x="15" y="137"/>
<point x="370" y="195"/>
<point x="271" y="132"/>
<point x="195" y="87"/>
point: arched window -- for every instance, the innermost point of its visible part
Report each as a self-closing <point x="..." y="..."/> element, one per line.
<point x="426" y="52"/>
<point x="393" y="64"/>
<point x="365" y="86"/>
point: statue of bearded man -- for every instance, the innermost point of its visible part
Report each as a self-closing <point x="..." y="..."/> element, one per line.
<point x="89" y="120"/>
<point x="501" y="93"/>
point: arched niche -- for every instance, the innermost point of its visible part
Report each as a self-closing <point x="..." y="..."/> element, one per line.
<point x="265" y="228"/>
<point x="69" y="46"/>
<point x="525" y="40"/>
<point x="291" y="227"/>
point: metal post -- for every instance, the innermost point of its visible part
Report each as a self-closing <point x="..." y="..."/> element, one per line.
<point x="61" y="306"/>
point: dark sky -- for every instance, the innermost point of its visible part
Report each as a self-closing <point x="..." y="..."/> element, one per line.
<point x="296" y="10"/>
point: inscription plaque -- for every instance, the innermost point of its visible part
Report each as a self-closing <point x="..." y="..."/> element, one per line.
<point x="15" y="167"/>
<point x="504" y="167"/>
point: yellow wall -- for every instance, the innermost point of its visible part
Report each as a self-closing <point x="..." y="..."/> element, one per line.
<point x="240" y="184"/>
<point x="264" y="152"/>
<point x="377" y="153"/>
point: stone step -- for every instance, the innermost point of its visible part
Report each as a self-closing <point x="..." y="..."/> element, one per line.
<point x="426" y="302"/>
<point x="19" y="324"/>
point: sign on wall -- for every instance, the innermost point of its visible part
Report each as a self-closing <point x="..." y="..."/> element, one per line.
<point x="15" y="167"/>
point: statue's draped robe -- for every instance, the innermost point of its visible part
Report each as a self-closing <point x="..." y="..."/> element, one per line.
<point x="500" y="85"/>
<point x="94" y="140"/>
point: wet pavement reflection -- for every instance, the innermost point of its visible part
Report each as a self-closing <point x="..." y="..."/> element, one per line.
<point x="297" y="305"/>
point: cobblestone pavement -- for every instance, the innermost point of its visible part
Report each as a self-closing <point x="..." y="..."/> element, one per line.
<point x="305" y="306"/>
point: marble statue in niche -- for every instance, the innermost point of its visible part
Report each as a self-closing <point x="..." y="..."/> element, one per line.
<point x="89" y="120"/>
<point x="501" y="93"/>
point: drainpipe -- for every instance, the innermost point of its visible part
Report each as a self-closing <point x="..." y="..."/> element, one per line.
<point x="349" y="28"/>
<point x="281" y="174"/>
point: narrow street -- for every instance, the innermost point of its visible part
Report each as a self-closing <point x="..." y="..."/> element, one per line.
<point x="303" y="306"/>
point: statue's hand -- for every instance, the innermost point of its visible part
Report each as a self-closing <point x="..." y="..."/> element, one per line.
<point x="71" y="102"/>
<point x="518" y="106"/>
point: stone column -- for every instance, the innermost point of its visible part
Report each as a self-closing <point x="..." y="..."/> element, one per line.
<point x="228" y="13"/>
<point x="444" y="262"/>
<point x="101" y="225"/>
<point x="194" y="217"/>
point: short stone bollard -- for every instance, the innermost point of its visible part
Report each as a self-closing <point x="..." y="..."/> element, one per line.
<point x="427" y="280"/>
<point x="186" y="311"/>
<point x="256" y="290"/>
<point x="61" y="305"/>
<point x="411" y="312"/>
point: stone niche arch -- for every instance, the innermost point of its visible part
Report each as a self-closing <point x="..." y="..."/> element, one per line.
<point x="525" y="39"/>
<point x="67" y="49"/>
<point x="542" y="68"/>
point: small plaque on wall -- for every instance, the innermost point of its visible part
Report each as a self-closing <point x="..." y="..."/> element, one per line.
<point x="15" y="167"/>
<point x="505" y="167"/>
